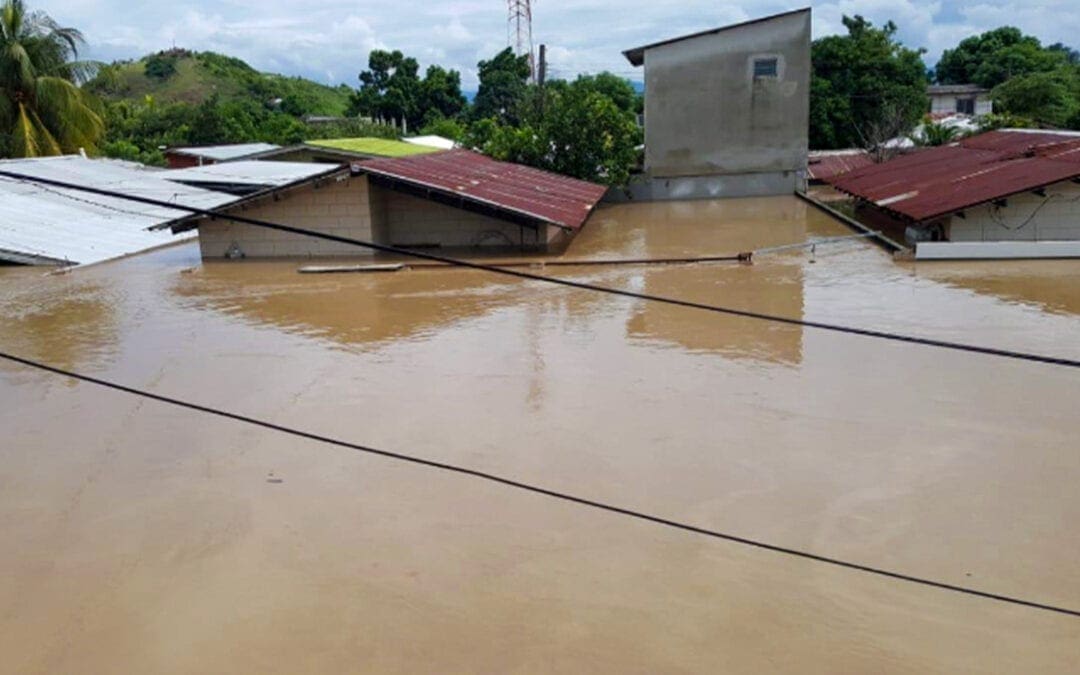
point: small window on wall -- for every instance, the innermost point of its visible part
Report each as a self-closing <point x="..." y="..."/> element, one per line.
<point x="766" y="68"/>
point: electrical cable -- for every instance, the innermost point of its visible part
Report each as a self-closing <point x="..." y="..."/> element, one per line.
<point x="495" y="269"/>
<point x="540" y="490"/>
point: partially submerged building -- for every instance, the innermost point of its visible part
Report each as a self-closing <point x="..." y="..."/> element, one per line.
<point x="727" y="110"/>
<point x="457" y="199"/>
<point x="49" y="225"/>
<point x="1012" y="193"/>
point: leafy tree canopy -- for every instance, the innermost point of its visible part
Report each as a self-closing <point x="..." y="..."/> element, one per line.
<point x="391" y="89"/>
<point x="570" y="128"/>
<point x="503" y="87"/>
<point x="864" y="85"/>
<point x="43" y="111"/>
<point x="995" y="56"/>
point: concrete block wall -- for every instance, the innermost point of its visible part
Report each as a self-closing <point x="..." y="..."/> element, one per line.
<point x="707" y="114"/>
<point x="405" y="220"/>
<point x="1026" y="217"/>
<point x="341" y="207"/>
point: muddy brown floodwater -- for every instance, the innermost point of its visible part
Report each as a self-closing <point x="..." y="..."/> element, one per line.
<point x="141" y="538"/>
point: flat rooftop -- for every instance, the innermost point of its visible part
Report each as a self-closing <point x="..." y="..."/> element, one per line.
<point x="142" y="538"/>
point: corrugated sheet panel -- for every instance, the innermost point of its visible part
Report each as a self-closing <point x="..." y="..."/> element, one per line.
<point x="252" y="172"/>
<point x="225" y="153"/>
<point x="51" y="224"/>
<point x="518" y="189"/>
<point x="939" y="181"/>
<point x="827" y="165"/>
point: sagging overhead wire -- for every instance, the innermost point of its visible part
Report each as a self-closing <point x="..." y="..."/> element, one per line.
<point x="544" y="491"/>
<point x="495" y="269"/>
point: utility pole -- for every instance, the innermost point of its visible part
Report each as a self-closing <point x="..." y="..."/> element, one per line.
<point x="542" y="76"/>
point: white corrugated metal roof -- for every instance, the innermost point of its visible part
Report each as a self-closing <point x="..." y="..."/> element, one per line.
<point x="225" y="153"/>
<point x="45" y="223"/>
<point x="266" y="174"/>
<point x="432" y="142"/>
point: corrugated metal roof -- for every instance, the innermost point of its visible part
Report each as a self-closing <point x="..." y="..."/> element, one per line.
<point x="251" y="172"/>
<point x="225" y="153"/>
<point x="828" y="164"/>
<point x="517" y="189"/>
<point x="636" y="56"/>
<point x="939" y="181"/>
<point x="41" y="223"/>
<point x="946" y="89"/>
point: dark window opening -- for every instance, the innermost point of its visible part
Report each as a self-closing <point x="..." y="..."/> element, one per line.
<point x="766" y="68"/>
<point x="965" y="106"/>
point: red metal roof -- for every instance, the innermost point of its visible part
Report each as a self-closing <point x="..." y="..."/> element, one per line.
<point x="830" y="164"/>
<point x="521" y="190"/>
<point x="939" y="181"/>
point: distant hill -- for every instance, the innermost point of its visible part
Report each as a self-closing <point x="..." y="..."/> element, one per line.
<point x="182" y="76"/>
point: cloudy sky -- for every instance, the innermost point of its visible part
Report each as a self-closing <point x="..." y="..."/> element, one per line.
<point x="329" y="41"/>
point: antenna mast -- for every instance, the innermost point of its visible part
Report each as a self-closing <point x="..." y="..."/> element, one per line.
<point x="519" y="31"/>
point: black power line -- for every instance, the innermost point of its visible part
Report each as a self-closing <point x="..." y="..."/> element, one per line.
<point x="850" y="330"/>
<point x="537" y="489"/>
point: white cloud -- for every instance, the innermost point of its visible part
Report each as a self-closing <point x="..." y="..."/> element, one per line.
<point x="330" y="41"/>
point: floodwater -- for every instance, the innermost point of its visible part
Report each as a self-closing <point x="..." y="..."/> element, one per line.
<point x="136" y="537"/>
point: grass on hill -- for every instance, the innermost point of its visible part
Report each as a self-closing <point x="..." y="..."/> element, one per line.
<point x="181" y="76"/>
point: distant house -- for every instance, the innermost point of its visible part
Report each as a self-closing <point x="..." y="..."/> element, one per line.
<point x="727" y="110"/>
<point x="959" y="99"/>
<point x="182" y="158"/>
<point x="456" y="199"/>
<point x="1012" y="193"/>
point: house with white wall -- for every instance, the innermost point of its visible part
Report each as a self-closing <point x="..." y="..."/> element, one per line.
<point x="1013" y="193"/>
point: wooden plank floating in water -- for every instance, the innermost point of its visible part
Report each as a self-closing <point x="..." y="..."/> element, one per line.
<point x="336" y="269"/>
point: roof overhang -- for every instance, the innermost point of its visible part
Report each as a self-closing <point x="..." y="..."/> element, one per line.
<point x="636" y="56"/>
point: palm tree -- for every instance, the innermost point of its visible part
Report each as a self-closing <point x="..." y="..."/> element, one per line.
<point x="42" y="109"/>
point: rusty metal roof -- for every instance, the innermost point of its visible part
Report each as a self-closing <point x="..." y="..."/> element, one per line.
<point x="828" y="164"/>
<point x="500" y="186"/>
<point x="940" y="181"/>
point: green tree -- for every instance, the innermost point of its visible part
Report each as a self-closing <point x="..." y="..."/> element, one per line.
<point x="42" y="109"/>
<point x="503" y="88"/>
<point x="440" y="96"/>
<point x="390" y="88"/>
<point x="995" y="56"/>
<point x="934" y="134"/>
<point x="865" y="87"/>
<point x="160" y="66"/>
<point x="1048" y="98"/>
<point x="571" y="128"/>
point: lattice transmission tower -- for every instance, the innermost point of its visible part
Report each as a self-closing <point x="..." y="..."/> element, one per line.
<point x="519" y="31"/>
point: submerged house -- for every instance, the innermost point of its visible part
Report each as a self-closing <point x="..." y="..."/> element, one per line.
<point x="456" y="199"/>
<point x="1013" y="193"/>
<point x="727" y="110"/>
<point x="49" y="225"/>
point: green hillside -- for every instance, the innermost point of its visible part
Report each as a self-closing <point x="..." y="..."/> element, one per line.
<point x="182" y="76"/>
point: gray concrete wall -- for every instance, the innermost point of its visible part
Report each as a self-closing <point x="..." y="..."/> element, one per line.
<point x="707" y="115"/>
<point x="341" y="208"/>
<point x="1026" y="217"/>
<point x="404" y="220"/>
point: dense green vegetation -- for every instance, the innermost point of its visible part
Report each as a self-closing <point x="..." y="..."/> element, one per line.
<point x="866" y="87"/>
<point x="42" y="109"/>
